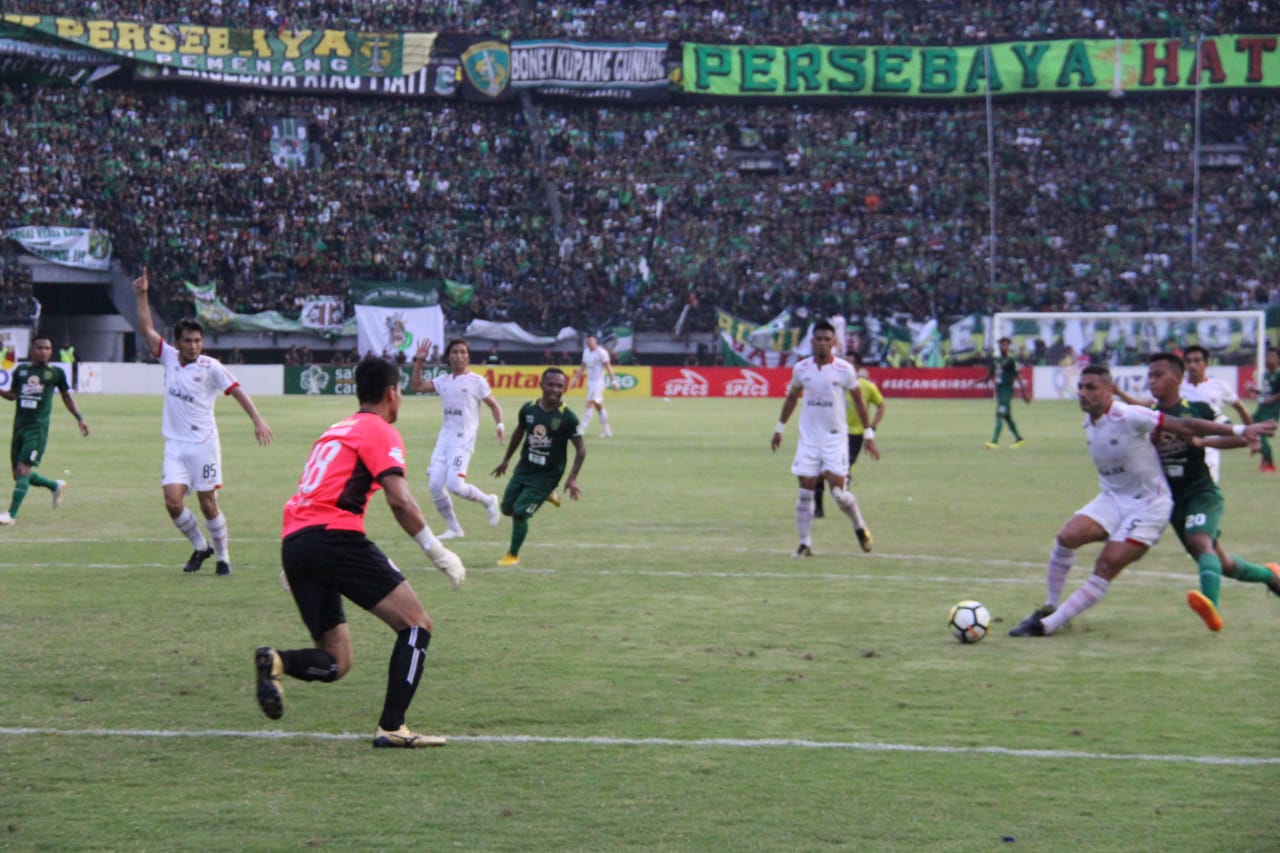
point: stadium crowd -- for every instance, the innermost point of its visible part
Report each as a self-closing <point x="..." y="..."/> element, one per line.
<point x="780" y="21"/>
<point x="586" y="214"/>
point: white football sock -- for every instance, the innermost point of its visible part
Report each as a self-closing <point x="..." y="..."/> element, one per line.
<point x="849" y="506"/>
<point x="186" y="522"/>
<point x="468" y="492"/>
<point x="444" y="506"/>
<point x="804" y="514"/>
<point x="1081" y="600"/>
<point x="1060" y="560"/>
<point x="218" y="533"/>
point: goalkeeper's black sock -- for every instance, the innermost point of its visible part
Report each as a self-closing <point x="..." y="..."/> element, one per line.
<point x="309" y="664"/>
<point x="403" y="674"/>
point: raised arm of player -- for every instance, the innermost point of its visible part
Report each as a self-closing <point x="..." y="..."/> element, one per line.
<point x="146" y="328"/>
<point x="416" y="383"/>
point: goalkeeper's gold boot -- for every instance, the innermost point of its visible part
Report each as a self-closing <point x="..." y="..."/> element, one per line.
<point x="404" y="738"/>
<point x="270" y="669"/>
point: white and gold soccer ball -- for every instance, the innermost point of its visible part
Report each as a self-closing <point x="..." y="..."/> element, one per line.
<point x="969" y="621"/>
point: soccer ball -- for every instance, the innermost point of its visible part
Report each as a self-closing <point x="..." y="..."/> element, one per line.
<point x="969" y="621"/>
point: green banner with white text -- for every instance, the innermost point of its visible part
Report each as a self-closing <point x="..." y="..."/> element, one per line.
<point x="1058" y="66"/>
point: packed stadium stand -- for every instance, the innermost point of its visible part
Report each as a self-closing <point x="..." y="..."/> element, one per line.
<point x="586" y="214"/>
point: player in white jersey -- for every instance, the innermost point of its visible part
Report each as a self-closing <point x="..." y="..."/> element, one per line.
<point x="596" y="363"/>
<point x="461" y="393"/>
<point x="192" y="452"/>
<point x="1132" y="506"/>
<point x="825" y="383"/>
<point x="1198" y="385"/>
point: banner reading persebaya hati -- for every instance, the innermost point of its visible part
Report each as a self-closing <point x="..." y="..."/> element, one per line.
<point x="254" y="52"/>
<point x="1068" y="66"/>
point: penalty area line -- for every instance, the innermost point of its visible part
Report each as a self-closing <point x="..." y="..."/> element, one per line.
<point x="696" y="743"/>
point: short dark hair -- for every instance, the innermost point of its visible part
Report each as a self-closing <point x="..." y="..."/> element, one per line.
<point x="1005" y="340"/>
<point x="453" y="342"/>
<point x="548" y="372"/>
<point x="186" y="325"/>
<point x="1186" y="351"/>
<point x="1171" y="357"/>
<point x="824" y="326"/>
<point x="42" y="338"/>
<point x="374" y="375"/>
<point x="1097" y="370"/>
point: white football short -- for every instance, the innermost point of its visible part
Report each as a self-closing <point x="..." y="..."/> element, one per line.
<point x="812" y="458"/>
<point x="1130" y="519"/>
<point x="448" y="466"/>
<point x="595" y="392"/>
<point x="196" y="465"/>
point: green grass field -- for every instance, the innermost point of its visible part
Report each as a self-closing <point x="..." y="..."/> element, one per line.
<point x="659" y="674"/>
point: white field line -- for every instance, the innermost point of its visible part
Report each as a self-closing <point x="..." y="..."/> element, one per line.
<point x="1035" y="567"/>
<point x="698" y="743"/>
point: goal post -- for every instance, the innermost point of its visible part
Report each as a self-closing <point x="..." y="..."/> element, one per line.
<point x="1122" y="339"/>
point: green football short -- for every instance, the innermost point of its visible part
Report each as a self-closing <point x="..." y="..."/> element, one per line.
<point x="1199" y="512"/>
<point x="524" y="494"/>
<point x="28" y="445"/>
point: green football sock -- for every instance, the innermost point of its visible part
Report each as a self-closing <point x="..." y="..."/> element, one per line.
<point x="42" y="482"/>
<point x="1013" y="428"/>
<point x="999" y="426"/>
<point x="20" y="488"/>
<point x="519" y="530"/>
<point x="1247" y="572"/>
<point x="1210" y="576"/>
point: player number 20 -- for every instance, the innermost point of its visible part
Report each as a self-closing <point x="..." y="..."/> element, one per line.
<point x="1196" y="519"/>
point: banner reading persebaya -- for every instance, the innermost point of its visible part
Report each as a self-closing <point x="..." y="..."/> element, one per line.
<point x="83" y="248"/>
<point x="1066" y="66"/>
<point x="254" y="52"/>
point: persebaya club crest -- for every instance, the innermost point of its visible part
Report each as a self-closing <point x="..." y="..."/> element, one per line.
<point x="401" y="338"/>
<point x="488" y="66"/>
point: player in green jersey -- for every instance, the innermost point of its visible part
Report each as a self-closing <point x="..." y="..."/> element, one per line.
<point x="547" y="428"/>
<point x="1004" y="372"/>
<point x="1268" y="405"/>
<point x="1197" y="501"/>
<point x="32" y="387"/>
